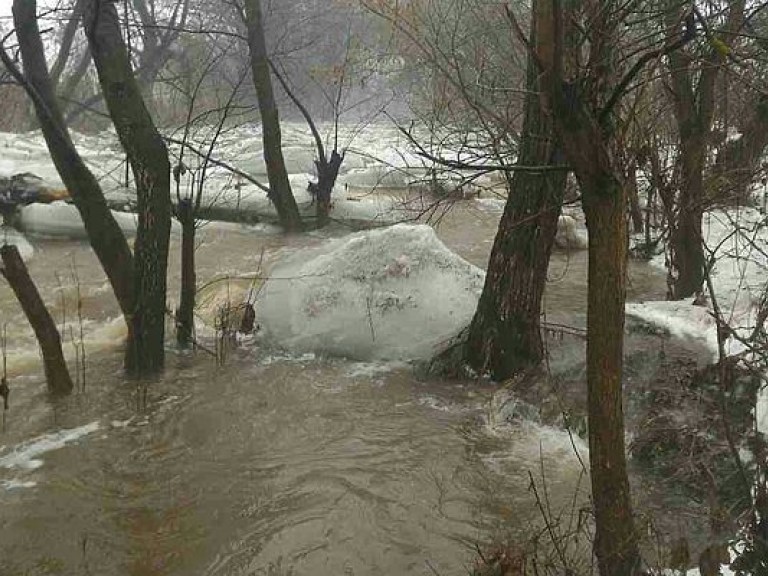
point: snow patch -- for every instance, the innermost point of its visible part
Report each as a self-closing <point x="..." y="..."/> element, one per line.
<point x="681" y="318"/>
<point x="395" y="293"/>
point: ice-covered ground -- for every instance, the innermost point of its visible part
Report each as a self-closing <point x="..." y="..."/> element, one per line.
<point x="391" y="294"/>
<point x="375" y="164"/>
<point x="738" y="241"/>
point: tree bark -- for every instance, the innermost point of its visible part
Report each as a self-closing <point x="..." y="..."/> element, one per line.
<point x="106" y="238"/>
<point x="635" y="211"/>
<point x="67" y="39"/>
<point x="15" y="272"/>
<point x="149" y="162"/>
<point x="616" y="540"/>
<point x="327" y="173"/>
<point x="279" y="186"/>
<point x="694" y="105"/>
<point x="687" y="260"/>
<point x="185" y="314"/>
<point x="738" y="161"/>
<point x="505" y="333"/>
<point x="591" y="148"/>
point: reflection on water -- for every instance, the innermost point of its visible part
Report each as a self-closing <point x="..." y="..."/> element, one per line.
<point x="268" y="464"/>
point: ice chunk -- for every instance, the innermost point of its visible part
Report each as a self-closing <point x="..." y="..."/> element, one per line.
<point x="396" y="293"/>
<point x="375" y="177"/>
<point x="570" y="235"/>
<point x="62" y="220"/>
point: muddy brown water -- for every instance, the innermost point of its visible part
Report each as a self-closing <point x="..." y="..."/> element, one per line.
<point x="268" y="464"/>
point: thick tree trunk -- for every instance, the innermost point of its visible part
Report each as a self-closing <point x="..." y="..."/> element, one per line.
<point x="279" y="187"/>
<point x="185" y="314"/>
<point x="15" y="272"/>
<point x="148" y="157"/>
<point x="106" y="238"/>
<point x="505" y="334"/>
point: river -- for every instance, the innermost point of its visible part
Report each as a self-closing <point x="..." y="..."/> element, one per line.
<point x="267" y="464"/>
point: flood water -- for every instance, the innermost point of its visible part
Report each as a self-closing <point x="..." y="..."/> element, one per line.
<point x="267" y="464"/>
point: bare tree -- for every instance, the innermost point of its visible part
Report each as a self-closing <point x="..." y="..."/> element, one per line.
<point x="149" y="161"/>
<point x="280" y="192"/>
<point x="694" y="97"/>
<point x="15" y="272"/>
<point x="107" y="240"/>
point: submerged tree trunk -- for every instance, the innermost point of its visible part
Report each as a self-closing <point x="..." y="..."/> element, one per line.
<point x="148" y="157"/>
<point x="185" y="314"/>
<point x="327" y="173"/>
<point x="279" y="186"/>
<point x="106" y="238"/>
<point x="505" y="333"/>
<point x="15" y="272"/>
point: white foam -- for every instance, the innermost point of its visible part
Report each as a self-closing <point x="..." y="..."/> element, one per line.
<point x="26" y="456"/>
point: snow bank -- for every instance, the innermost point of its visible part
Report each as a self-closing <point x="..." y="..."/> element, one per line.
<point x="680" y="318"/>
<point x="391" y="294"/>
<point x="738" y="279"/>
<point x="13" y="237"/>
<point x="26" y="456"/>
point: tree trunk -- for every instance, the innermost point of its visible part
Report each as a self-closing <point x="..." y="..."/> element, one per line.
<point x="327" y="173"/>
<point x="694" y="99"/>
<point x="67" y="40"/>
<point x="592" y="149"/>
<point x="686" y="244"/>
<point x="148" y="157"/>
<point x="635" y="211"/>
<point x="106" y="238"/>
<point x="738" y="161"/>
<point x="185" y="314"/>
<point x="279" y="187"/>
<point x="505" y="333"/>
<point x="15" y="272"/>
<point x="616" y="541"/>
